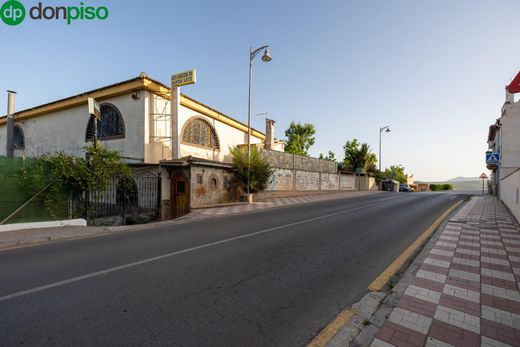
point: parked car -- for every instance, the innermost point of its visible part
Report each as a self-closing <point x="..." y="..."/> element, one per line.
<point x="403" y="187"/>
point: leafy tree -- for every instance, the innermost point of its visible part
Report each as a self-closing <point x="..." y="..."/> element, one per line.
<point x="260" y="171"/>
<point x="358" y="156"/>
<point x="299" y="138"/>
<point x="331" y="156"/>
<point x="395" y="172"/>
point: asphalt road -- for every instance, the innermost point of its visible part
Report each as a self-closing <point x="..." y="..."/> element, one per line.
<point x="267" y="278"/>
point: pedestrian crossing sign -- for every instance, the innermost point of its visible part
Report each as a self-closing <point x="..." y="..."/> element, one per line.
<point x="492" y="158"/>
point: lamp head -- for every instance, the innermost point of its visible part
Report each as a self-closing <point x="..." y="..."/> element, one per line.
<point x="267" y="57"/>
<point x="387" y="130"/>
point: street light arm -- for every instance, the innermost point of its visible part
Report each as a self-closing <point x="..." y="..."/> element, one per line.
<point x="381" y="129"/>
<point x="252" y="54"/>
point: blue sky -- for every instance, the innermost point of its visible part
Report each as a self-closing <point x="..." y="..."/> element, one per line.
<point x="434" y="71"/>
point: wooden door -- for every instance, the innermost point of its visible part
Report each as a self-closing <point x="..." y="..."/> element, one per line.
<point x="180" y="193"/>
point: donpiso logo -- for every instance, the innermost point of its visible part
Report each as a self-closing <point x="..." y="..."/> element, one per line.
<point x="13" y="12"/>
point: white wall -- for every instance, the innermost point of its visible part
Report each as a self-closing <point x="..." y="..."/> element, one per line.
<point x="509" y="194"/>
<point x="157" y="148"/>
<point x="65" y="131"/>
<point x="509" y="133"/>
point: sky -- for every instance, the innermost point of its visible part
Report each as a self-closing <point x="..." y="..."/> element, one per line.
<point x="434" y="71"/>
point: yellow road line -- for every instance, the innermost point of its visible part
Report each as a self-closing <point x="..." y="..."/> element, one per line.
<point x="379" y="283"/>
<point x="332" y="329"/>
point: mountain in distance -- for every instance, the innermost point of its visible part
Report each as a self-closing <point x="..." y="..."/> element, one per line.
<point x="463" y="179"/>
<point x="463" y="183"/>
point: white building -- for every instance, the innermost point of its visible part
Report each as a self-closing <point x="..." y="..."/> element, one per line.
<point x="136" y="121"/>
<point x="504" y="139"/>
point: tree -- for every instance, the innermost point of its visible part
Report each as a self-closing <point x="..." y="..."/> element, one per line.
<point x="331" y="156"/>
<point x="259" y="172"/>
<point x="358" y="156"/>
<point x="395" y="172"/>
<point x="299" y="138"/>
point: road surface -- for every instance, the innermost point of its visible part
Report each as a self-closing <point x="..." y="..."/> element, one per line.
<point x="267" y="278"/>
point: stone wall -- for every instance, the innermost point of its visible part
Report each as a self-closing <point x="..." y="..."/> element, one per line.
<point x="210" y="186"/>
<point x="295" y="173"/>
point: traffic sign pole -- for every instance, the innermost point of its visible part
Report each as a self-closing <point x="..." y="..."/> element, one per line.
<point x="483" y="177"/>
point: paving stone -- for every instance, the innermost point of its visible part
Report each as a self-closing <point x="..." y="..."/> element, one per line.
<point x="500" y="332"/>
<point x="431" y="342"/>
<point x="488" y="342"/>
<point x="500" y="316"/>
<point x="494" y="261"/>
<point x="432" y="276"/>
<point x="471" y="276"/>
<point x="463" y="261"/>
<point x="453" y="335"/>
<point x="410" y="320"/>
<point x="423" y="294"/>
<point x="467" y="251"/>
<point x="461" y="293"/>
<point x="498" y="274"/>
<point x="501" y="292"/>
<point x="457" y="318"/>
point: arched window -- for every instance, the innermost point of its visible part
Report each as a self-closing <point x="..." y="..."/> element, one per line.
<point x="19" y="139"/>
<point x="111" y="125"/>
<point x="199" y="132"/>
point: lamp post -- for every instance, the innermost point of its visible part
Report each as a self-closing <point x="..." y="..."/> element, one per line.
<point x="266" y="58"/>
<point x="386" y="129"/>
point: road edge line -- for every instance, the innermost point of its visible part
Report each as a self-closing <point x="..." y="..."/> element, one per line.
<point x="380" y="282"/>
<point x="332" y="328"/>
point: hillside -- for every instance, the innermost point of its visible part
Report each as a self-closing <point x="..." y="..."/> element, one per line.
<point x="462" y="183"/>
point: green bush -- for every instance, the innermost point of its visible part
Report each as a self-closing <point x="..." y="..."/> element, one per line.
<point x="434" y="187"/>
<point x="447" y="186"/>
<point x="259" y="173"/>
<point x="437" y="187"/>
<point x="54" y="174"/>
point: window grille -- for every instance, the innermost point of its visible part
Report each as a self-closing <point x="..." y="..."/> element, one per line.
<point x="199" y="132"/>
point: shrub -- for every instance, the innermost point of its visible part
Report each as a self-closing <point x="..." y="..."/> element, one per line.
<point x="447" y="186"/>
<point x="59" y="172"/>
<point x="434" y="187"/>
<point x="259" y="173"/>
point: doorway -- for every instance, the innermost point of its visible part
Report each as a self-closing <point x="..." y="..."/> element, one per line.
<point x="180" y="196"/>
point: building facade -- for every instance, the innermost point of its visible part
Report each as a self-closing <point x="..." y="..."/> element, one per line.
<point x="504" y="139"/>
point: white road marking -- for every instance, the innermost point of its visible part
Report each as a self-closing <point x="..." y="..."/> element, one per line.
<point x="168" y="255"/>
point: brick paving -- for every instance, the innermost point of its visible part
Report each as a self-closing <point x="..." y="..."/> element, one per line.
<point x="272" y="203"/>
<point x="467" y="290"/>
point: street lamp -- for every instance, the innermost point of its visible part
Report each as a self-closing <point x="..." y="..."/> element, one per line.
<point x="266" y="58"/>
<point x="386" y="129"/>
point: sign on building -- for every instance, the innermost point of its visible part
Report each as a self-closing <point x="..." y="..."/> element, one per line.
<point x="93" y="108"/>
<point x="184" y="78"/>
<point x="492" y="158"/>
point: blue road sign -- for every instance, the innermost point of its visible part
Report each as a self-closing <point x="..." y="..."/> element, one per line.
<point x="492" y="158"/>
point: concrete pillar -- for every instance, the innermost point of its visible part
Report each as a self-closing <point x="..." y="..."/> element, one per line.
<point x="174" y="133"/>
<point x="10" y="124"/>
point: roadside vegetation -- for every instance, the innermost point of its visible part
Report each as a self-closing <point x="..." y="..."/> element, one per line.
<point x="440" y="187"/>
<point x="259" y="172"/>
<point x="300" y="137"/>
<point x="53" y="177"/>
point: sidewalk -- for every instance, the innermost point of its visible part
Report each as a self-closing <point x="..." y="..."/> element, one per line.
<point x="466" y="291"/>
<point x="270" y="203"/>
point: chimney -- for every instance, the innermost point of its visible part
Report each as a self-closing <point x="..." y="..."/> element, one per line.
<point x="10" y="123"/>
<point x="269" y="133"/>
